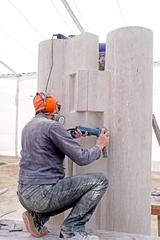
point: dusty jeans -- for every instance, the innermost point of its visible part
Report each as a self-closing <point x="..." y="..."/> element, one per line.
<point x="81" y="193"/>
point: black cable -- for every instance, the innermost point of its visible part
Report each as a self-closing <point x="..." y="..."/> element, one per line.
<point x="59" y="36"/>
<point x="72" y="131"/>
<point x="49" y="75"/>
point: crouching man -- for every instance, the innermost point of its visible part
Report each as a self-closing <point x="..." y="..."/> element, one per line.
<point x="43" y="189"/>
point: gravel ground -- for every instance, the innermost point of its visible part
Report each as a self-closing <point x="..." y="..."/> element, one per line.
<point x="8" y="186"/>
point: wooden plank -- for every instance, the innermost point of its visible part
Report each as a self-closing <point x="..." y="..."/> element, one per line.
<point x="155" y="209"/>
<point x="156" y="128"/>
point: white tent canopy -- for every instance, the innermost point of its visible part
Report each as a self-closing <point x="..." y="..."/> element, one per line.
<point x="25" y="23"/>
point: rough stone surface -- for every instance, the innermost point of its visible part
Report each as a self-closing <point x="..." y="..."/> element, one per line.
<point x="120" y="100"/>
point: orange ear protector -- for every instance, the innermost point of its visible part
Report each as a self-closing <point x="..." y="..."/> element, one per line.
<point x="51" y="103"/>
<point x="43" y="102"/>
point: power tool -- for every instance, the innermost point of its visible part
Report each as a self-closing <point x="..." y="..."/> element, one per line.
<point x="90" y="132"/>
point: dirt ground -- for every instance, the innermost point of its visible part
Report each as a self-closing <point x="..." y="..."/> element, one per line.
<point x="10" y="207"/>
<point x="8" y="185"/>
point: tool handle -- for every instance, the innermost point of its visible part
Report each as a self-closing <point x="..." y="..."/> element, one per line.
<point x="104" y="151"/>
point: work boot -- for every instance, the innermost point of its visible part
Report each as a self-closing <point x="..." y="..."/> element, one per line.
<point x="34" y="224"/>
<point x="78" y="236"/>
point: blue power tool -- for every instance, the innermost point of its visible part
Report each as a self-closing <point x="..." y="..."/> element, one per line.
<point x="90" y="132"/>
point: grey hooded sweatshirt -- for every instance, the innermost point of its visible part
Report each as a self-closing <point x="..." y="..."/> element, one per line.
<point x="44" y="145"/>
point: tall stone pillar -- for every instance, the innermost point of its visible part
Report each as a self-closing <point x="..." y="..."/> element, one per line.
<point x="119" y="98"/>
<point x="129" y="62"/>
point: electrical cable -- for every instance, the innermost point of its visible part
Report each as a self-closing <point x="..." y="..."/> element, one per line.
<point x="59" y="36"/>
<point x="50" y="71"/>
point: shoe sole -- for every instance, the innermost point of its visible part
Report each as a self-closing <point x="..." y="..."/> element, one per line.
<point x="28" y="224"/>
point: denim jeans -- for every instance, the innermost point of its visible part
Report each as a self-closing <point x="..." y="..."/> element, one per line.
<point x="81" y="193"/>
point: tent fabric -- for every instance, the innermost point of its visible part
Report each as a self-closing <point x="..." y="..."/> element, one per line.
<point x="25" y="23"/>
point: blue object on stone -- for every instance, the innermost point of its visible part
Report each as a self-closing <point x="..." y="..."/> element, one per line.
<point x="102" y="47"/>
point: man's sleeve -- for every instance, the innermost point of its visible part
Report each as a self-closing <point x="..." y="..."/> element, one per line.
<point x="70" y="147"/>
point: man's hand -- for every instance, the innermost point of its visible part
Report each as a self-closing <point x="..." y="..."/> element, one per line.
<point x="79" y="134"/>
<point x="103" y="139"/>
